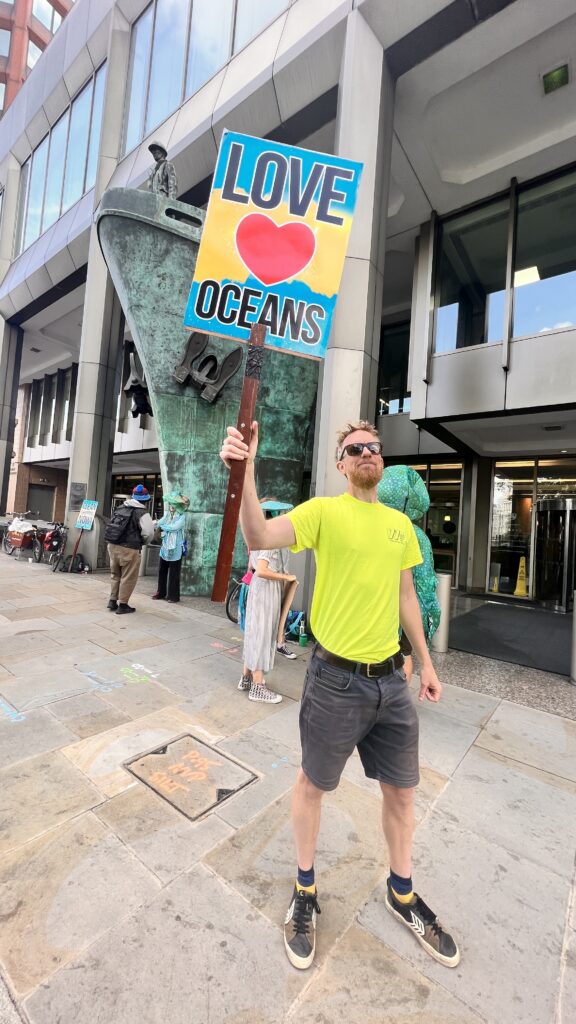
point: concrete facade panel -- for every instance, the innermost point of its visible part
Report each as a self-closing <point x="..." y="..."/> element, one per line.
<point x="79" y="71"/>
<point x="56" y="103"/>
<point x="542" y="371"/>
<point x="466" y="382"/>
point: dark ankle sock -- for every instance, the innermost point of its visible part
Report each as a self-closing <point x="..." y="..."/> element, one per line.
<point x="305" y="879"/>
<point x="401" y="887"/>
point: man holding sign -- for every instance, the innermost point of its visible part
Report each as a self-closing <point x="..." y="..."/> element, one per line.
<point x="355" y="693"/>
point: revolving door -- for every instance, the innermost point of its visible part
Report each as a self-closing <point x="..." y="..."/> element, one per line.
<point x="555" y="549"/>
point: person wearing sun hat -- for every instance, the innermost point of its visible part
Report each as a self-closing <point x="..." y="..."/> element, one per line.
<point x="172" y="526"/>
<point x="129" y="529"/>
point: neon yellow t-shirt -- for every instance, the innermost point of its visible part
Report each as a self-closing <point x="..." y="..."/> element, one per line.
<point x="360" y="550"/>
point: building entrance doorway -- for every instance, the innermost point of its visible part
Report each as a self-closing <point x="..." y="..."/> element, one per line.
<point x="555" y="548"/>
<point x="41" y="501"/>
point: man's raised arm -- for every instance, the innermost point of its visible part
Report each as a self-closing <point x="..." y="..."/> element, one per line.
<point x="260" y="534"/>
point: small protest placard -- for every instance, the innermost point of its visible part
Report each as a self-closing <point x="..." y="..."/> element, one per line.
<point x="86" y="515"/>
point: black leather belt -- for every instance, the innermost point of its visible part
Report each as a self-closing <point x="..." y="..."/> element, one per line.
<point x="371" y="670"/>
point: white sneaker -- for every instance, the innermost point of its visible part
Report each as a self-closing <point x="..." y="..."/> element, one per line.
<point x="260" y="692"/>
<point x="245" y="682"/>
<point x="285" y="650"/>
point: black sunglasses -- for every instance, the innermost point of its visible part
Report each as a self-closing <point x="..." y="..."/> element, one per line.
<point x="357" y="447"/>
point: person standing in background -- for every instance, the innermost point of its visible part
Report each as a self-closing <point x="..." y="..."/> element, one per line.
<point x="129" y="528"/>
<point x="172" y="526"/>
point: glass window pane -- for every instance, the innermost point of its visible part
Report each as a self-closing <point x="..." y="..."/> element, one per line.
<point x="43" y="10"/>
<point x="95" y="128"/>
<point x="210" y="34"/>
<point x="34" y="52"/>
<point x="443" y="516"/>
<point x="167" y="67"/>
<point x="5" y="36"/>
<point x="555" y="476"/>
<point x="393" y="370"/>
<point x="77" y="148"/>
<point x="252" y="16"/>
<point x="138" y="79"/>
<point x="56" y="21"/>
<point x="55" y="173"/>
<point x="36" y="197"/>
<point x="511" y="524"/>
<point x="545" y="262"/>
<point x="471" y="277"/>
<point x="2" y="94"/>
<point x="22" y="200"/>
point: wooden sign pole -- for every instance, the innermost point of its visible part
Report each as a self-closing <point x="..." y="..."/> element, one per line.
<point x="238" y="469"/>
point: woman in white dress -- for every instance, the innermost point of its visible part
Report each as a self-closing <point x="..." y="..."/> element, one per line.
<point x="263" y="609"/>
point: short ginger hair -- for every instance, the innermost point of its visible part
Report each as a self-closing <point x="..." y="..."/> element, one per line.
<point x="351" y="428"/>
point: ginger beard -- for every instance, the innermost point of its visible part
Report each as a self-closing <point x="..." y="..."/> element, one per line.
<point x="365" y="474"/>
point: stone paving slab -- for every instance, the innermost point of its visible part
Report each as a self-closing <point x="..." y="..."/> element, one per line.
<point x="60" y="892"/>
<point x="567" y="995"/>
<point x="364" y="983"/>
<point x="533" y="737"/>
<point x="165" y="841"/>
<point x="26" y="692"/>
<point x="465" y="706"/>
<point x="95" y="632"/>
<point x="24" y="620"/>
<point x="139" y="698"/>
<point x="206" y="673"/>
<point x="431" y="785"/>
<point x="507" y="915"/>
<point x="528" y="812"/>
<point x="49" y="656"/>
<point x="444" y="741"/>
<point x="36" y="734"/>
<point x="198" y="954"/>
<point x="87" y="714"/>
<point x="224" y="710"/>
<point x="40" y="794"/>
<point x="8" y="1012"/>
<point x="259" y="860"/>
<point x="180" y="651"/>
<point x="101" y="757"/>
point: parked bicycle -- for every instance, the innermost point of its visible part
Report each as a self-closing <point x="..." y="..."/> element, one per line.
<point x="50" y="547"/>
<point x="20" y="533"/>
<point x="232" y="600"/>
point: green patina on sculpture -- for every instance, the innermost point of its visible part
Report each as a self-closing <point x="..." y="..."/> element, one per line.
<point x="150" y="245"/>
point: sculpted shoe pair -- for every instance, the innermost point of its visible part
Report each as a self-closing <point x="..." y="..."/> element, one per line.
<point x="300" y="928"/>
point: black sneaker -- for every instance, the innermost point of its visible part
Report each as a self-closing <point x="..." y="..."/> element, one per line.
<point x="112" y="605"/>
<point x="300" y="928"/>
<point x="124" y="609"/>
<point x="426" y="928"/>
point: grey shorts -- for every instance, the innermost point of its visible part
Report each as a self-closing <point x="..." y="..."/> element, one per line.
<point x="341" y="710"/>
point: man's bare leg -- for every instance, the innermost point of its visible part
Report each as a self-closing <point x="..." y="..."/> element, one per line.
<point x="306" y="810"/>
<point x="300" y="922"/>
<point x="398" y="825"/>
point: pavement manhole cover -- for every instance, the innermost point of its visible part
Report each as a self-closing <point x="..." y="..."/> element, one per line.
<point x="190" y="775"/>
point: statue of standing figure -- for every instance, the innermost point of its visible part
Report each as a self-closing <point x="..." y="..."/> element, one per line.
<point x="162" y="178"/>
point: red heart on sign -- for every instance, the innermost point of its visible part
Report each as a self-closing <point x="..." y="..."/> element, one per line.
<point x="274" y="252"/>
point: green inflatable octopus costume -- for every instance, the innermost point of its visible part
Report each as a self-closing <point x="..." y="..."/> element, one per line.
<point x="402" y="488"/>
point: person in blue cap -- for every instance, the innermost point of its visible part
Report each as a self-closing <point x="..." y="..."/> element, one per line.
<point x="129" y="529"/>
<point x="263" y="608"/>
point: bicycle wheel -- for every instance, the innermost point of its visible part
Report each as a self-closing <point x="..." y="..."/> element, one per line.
<point x="232" y="601"/>
<point x="37" y="550"/>
<point x="56" y="557"/>
<point x="8" y="547"/>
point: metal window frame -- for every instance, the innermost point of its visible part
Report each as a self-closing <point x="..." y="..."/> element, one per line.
<point x="32" y="155"/>
<point x="126" y="117"/>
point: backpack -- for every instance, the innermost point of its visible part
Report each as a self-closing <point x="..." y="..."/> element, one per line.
<point x="119" y="525"/>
